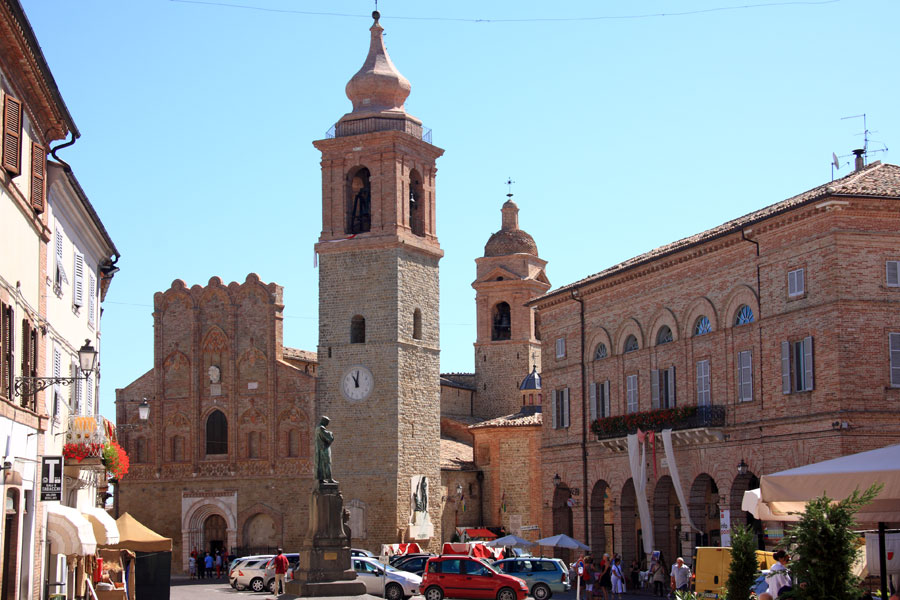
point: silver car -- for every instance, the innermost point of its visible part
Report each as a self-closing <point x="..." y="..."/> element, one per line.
<point x="544" y="576"/>
<point x="251" y="574"/>
<point x="396" y="585"/>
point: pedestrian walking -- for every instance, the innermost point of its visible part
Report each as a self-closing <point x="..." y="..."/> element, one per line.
<point x="281" y="567"/>
<point x="606" y="577"/>
<point x="658" y="576"/>
<point x="208" y="564"/>
<point x="617" y="578"/>
<point x="192" y="566"/>
<point x="681" y="576"/>
<point x="218" y="561"/>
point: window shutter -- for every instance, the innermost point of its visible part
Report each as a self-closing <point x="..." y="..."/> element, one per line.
<point x="747" y="383"/>
<point x="553" y="417"/>
<point x="895" y="359"/>
<point x="785" y="367"/>
<point x="78" y="286"/>
<point x="60" y="269"/>
<point x="606" y="412"/>
<point x="792" y="283"/>
<point x="808" y="363"/>
<point x="593" y="401"/>
<point x="654" y="388"/>
<point x="88" y="395"/>
<point x="12" y="134"/>
<point x="38" y="166"/>
<point x="801" y="285"/>
<point x="26" y="356"/>
<point x="893" y="273"/>
<point x="92" y="298"/>
<point x="670" y="392"/>
<point x="566" y="407"/>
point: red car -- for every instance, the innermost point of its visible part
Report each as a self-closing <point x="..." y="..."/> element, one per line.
<point x="455" y="576"/>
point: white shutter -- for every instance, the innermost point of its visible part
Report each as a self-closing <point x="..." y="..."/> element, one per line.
<point x="92" y="298"/>
<point x="893" y="273"/>
<point x="605" y="403"/>
<point x="560" y="347"/>
<point x="88" y="395"/>
<point x="78" y="290"/>
<point x="801" y="284"/>
<point x="654" y="388"/>
<point x="60" y="270"/>
<point x="895" y="359"/>
<point x="553" y="415"/>
<point x="746" y="362"/>
<point x="593" y="401"/>
<point x="703" y="396"/>
<point x="57" y="366"/>
<point x="670" y="392"/>
<point x="785" y="367"/>
<point x="566" y="408"/>
<point x="807" y="363"/>
<point x="77" y="385"/>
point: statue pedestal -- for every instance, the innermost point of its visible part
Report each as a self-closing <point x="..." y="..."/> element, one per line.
<point x="324" y="568"/>
<point x="421" y="527"/>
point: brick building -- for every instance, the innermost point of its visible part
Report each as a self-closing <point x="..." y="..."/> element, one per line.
<point x="769" y="342"/>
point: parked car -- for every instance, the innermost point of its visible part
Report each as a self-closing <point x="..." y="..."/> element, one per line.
<point x="393" y="560"/>
<point x="397" y="585"/>
<point x="414" y="563"/>
<point x="544" y="576"/>
<point x="240" y="560"/>
<point x="361" y="552"/>
<point x="293" y="561"/>
<point x="457" y="576"/>
<point x="251" y="574"/>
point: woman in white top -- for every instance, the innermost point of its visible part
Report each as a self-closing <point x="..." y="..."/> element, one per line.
<point x="618" y="578"/>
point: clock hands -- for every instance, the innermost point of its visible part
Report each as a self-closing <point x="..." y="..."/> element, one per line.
<point x="356" y="379"/>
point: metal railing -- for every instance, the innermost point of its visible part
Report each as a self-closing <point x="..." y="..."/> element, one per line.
<point x="373" y="124"/>
<point x="699" y="417"/>
<point x="93" y="432"/>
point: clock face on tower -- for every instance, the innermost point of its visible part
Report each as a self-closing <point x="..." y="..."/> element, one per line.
<point x="357" y="383"/>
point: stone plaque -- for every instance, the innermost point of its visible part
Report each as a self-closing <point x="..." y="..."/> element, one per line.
<point x="215" y="389"/>
<point x="330" y="556"/>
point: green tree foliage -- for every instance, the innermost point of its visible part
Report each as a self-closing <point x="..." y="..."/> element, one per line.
<point x="744" y="567"/>
<point x="824" y="547"/>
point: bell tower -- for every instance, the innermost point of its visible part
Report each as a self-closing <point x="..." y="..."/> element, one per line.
<point x="379" y="338"/>
<point x="508" y="335"/>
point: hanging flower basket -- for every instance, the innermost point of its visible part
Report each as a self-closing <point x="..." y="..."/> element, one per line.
<point x="79" y="452"/>
<point x="115" y="459"/>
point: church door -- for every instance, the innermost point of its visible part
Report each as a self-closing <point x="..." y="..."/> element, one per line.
<point x="214" y="533"/>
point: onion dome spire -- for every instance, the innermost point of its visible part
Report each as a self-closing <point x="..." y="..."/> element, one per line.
<point x="378" y="86"/>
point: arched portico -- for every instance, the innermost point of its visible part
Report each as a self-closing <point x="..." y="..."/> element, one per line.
<point x="196" y="525"/>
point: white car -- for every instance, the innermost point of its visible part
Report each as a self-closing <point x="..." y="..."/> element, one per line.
<point x="396" y="585"/>
<point x="251" y="574"/>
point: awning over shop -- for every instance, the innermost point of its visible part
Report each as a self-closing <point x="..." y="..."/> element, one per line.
<point x="105" y="529"/>
<point x="68" y="531"/>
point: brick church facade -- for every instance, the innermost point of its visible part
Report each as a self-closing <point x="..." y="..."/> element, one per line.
<point x="769" y="342"/>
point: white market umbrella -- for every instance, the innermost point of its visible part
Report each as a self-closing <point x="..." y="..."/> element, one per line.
<point x="509" y="541"/>
<point x="562" y="541"/>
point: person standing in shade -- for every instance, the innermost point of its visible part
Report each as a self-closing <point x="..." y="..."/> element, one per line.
<point x="658" y="576"/>
<point x="192" y="566"/>
<point x="618" y="578"/>
<point x="218" y="561"/>
<point x="281" y="567"/>
<point x="208" y="563"/>
<point x="681" y="576"/>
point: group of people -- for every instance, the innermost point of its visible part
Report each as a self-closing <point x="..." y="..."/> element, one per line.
<point x="208" y="565"/>
<point x="602" y="579"/>
<point x="678" y="577"/>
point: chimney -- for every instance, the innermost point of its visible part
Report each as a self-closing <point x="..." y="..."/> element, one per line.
<point x="860" y="162"/>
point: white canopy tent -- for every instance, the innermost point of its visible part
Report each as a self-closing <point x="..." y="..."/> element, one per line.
<point x="786" y="492"/>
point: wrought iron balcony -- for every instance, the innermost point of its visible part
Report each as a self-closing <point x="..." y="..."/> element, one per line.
<point x="86" y="437"/>
<point x="695" y="424"/>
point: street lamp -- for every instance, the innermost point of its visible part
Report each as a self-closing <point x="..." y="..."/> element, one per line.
<point x="557" y="480"/>
<point x="742" y="467"/>
<point x="144" y="410"/>
<point x="87" y="362"/>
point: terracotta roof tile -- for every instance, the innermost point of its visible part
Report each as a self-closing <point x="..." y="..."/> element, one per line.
<point x="520" y="419"/>
<point x="456" y="456"/>
<point x="297" y="354"/>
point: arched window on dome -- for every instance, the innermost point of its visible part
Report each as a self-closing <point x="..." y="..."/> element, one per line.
<point x="744" y="315"/>
<point x="502" y="326"/>
<point x="600" y="351"/>
<point x="417" y="324"/>
<point x="359" y="202"/>
<point x="664" y="336"/>
<point x="702" y="326"/>
<point x="217" y="433"/>
<point x="358" y="330"/>
<point x="416" y="204"/>
<point x="631" y="344"/>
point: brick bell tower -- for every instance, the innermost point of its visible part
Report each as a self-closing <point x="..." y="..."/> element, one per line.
<point x="508" y="342"/>
<point x="379" y="344"/>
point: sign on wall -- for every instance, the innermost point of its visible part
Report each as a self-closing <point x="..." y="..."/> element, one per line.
<point x="51" y="478"/>
<point x="725" y="526"/>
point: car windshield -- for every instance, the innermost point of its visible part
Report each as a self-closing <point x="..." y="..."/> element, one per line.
<point x="390" y="569"/>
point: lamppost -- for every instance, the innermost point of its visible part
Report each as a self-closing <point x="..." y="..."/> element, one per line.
<point x="742" y="467"/>
<point x="87" y="362"/>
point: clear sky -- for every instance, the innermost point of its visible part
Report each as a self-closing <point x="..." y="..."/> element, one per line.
<point x="623" y="130"/>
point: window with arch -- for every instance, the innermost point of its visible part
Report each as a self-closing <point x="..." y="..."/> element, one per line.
<point x="416" y="204"/>
<point x="631" y="344"/>
<point x="744" y="315"/>
<point x="358" y="330"/>
<point x="417" y="324"/>
<point x="600" y="351"/>
<point x="359" y="202"/>
<point x="293" y="443"/>
<point x="702" y="326"/>
<point x="664" y="335"/>
<point x="502" y="326"/>
<point x="217" y="433"/>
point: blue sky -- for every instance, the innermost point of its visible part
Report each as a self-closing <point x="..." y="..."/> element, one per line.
<point x="622" y="132"/>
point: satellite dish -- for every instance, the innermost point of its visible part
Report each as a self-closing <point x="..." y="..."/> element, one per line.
<point x="834" y="159"/>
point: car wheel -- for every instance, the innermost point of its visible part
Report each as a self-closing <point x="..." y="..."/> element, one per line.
<point x="505" y="594"/>
<point x="257" y="585"/>
<point x="393" y="592"/>
<point x="239" y="587"/>
<point x="271" y="586"/>
<point x="541" y="591"/>
<point x="436" y="593"/>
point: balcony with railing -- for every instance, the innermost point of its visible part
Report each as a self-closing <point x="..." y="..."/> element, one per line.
<point x="86" y="437"/>
<point x="689" y="425"/>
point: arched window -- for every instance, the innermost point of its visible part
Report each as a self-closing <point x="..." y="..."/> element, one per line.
<point x="358" y="330"/>
<point x="631" y="344"/>
<point x="600" y="352"/>
<point x="702" y="326"/>
<point x="744" y="315"/>
<point x="416" y="204"/>
<point x="664" y="336"/>
<point x="417" y="324"/>
<point x="217" y="433"/>
<point x="501" y="321"/>
<point x="359" y="202"/>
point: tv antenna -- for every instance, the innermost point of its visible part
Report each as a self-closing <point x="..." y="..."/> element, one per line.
<point x="865" y="150"/>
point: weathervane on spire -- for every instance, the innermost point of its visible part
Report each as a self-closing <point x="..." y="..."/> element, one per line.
<point x="509" y="183"/>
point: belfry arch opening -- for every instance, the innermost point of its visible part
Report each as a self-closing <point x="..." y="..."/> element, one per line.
<point x="359" y="201"/>
<point x="502" y="325"/>
<point x="416" y="204"/>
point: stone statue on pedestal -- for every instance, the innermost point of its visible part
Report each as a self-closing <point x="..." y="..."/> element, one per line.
<point x="324" y="439"/>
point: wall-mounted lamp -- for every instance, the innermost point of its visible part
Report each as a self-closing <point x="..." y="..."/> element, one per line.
<point x="87" y="362"/>
<point x="143" y="415"/>
<point x="557" y="480"/>
<point x="743" y="467"/>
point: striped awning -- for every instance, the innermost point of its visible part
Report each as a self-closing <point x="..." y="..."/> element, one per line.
<point x="68" y="531"/>
<point x="105" y="529"/>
